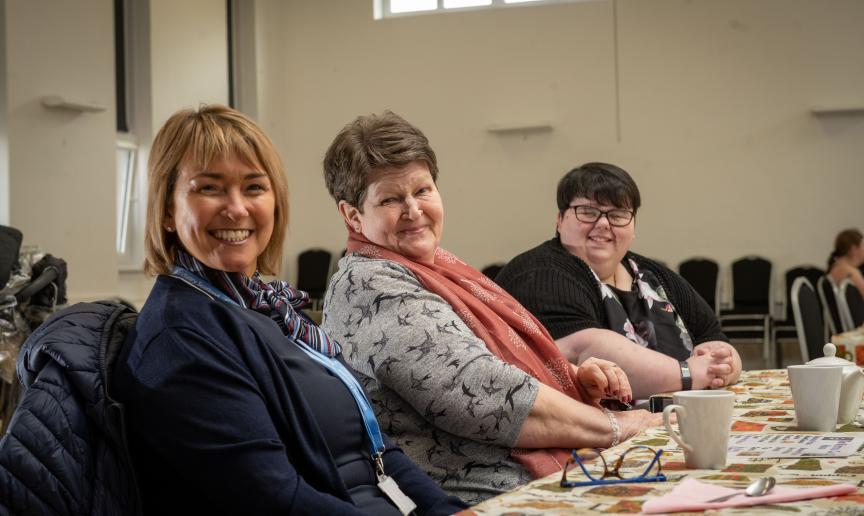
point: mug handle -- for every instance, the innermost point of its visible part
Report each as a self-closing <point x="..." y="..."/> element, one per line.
<point x="682" y="413"/>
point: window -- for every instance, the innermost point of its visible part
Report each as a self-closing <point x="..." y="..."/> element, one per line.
<point x="126" y="158"/>
<point x="391" y="8"/>
<point x="131" y="29"/>
<point x="126" y="147"/>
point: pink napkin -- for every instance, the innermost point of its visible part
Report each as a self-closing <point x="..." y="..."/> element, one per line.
<point x="690" y="495"/>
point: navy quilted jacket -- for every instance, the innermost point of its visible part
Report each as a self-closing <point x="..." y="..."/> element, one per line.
<point x="64" y="452"/>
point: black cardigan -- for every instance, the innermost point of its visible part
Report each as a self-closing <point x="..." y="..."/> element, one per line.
<point x="560" y="290"/>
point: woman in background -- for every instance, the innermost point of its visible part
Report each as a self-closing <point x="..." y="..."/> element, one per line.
<point x="846" y="258"/>
<point x="236" y="403"/>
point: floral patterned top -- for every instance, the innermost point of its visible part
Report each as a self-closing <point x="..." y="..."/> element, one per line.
<point x="645" y="316"/>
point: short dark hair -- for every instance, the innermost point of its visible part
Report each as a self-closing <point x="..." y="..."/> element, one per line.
<point x="368" y="144"/>
<point x="599" y="182"/>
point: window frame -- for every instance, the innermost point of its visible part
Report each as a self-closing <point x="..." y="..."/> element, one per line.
<point x="381" y="8"/>
<point x="133" y="74"/>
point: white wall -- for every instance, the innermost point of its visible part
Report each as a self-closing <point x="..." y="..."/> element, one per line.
<point x="188" y="55"/>
<point x="715" y="120"/>
<point x="62" y="163"/>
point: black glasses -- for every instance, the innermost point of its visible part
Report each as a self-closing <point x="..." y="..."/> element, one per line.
<point x="594" y="466"/>
<point x="590" y="215"/>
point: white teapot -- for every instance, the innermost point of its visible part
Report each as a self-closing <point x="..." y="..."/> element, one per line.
<point x="851" y="386"/>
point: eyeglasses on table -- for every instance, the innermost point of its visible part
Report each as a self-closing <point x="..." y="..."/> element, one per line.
<point x="594" y="470"/>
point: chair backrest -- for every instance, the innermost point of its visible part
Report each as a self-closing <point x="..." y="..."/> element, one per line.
<point x="830" y="308"/>
<point x="492" y="270"/>
<point x="702" y="274"/>
<point x="313" y="271"/>
<point x="811" y="273"/>
<point x="808" y="318"/>
<point x="10" y="246"/>
<point x="851" y="305"/>
<point x="751" y="285"/>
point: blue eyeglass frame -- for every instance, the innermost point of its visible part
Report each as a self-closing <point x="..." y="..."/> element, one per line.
<point x="639" y="479"/>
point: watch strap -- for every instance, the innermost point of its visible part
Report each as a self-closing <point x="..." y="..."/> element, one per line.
<point x="686" y="377"/>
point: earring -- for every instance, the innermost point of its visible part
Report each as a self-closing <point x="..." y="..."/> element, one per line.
<point x="169" y="229"/>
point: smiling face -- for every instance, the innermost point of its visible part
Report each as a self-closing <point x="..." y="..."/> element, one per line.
<point x="402" y="211"/>
<point x="599" y="244"/>
<point x="223" y="214"/>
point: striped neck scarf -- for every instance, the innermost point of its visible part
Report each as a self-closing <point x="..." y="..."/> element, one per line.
<point x="277" y="300"/>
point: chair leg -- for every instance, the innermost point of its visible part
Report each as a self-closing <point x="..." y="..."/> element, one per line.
<point x="779" y="350"/>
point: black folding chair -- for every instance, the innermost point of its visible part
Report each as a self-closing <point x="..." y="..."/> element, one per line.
<point x="313" y="272"/>
<point x="10" y="246"/>
<point x="851" y="305"/>
<point x="784" y="330"/>
<point x="807" y="313"/>
<point x="703" y="275"/>
<point x="749" y="320"/>
<point x="830" y="309"/>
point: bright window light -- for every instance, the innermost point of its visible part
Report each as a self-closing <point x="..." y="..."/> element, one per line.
<point x="397" y="8"/>
<point x="125" y="181"/>
<point x="453" y="4"/>
<point x="410" y="6"/>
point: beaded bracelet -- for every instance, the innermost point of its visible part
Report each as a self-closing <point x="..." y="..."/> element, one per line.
<point x="616" y="428"/>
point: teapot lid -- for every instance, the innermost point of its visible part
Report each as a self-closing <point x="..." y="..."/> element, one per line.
<point x="829" y="359"/>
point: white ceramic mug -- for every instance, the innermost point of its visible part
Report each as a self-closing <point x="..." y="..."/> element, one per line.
<point x="816" y="393"/>
<point x="704" y="418"/>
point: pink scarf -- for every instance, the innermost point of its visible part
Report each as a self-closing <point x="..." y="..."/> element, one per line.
<point x="510" y="332"/>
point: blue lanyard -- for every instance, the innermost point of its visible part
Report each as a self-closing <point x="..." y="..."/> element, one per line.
<point x="331" y="364"/>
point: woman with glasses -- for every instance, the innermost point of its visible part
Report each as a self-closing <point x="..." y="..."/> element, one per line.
<point x="599" y="299"/>
<point x="463" y="377"/>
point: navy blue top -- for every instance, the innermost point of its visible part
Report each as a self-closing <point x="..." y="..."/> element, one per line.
<point x="226" y="415"/>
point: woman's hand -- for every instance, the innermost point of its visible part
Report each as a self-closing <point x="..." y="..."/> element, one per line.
<point x="597" y="379"/>
<point x="632" y="422"/>
<point x="719" y="361"/>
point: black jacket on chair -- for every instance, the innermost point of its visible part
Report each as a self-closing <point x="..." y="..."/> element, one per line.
<point x="65" y="451"/>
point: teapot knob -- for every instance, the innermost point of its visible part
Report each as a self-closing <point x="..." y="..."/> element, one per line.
<point x="829" y="350"/>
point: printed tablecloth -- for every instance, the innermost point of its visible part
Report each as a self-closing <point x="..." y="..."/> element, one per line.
<point x="763" y="403"/>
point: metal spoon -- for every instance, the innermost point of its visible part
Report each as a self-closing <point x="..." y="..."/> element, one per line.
<point x="758" y="487"/>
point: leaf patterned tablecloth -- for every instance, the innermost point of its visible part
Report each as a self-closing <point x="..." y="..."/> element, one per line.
<point x="763" y="403"/>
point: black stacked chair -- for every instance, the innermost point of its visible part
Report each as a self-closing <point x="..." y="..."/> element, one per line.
<point x="785" y="330"/>
<point x="749" y="320"/>
<point x="10" y="246"/>
<point x="491" y="271"/>
<point x="703" y="275"/>
<point x="807" y="313"/>
<point x="313" y="271"/>
<point x="851" y="305"/>
<point x="830" y="309"/>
